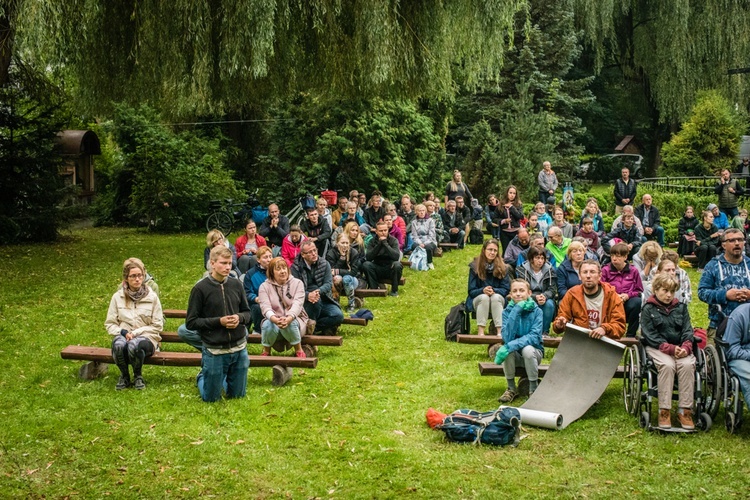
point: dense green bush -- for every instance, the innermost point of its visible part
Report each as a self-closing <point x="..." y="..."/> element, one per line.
<point x="155" y="177"/>
<point x="709" y="139"/>
<point x="316" y="144"/>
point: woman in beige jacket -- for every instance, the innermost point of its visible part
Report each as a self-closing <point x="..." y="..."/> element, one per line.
<point x="135" y="321"/>
<point x="282" y="300"/>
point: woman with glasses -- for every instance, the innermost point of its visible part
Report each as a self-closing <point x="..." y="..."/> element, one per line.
<point x="135" y="321"/>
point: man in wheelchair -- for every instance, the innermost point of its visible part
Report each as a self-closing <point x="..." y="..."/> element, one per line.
<point x="737" y="339"/>
<point x="668" y="338"/>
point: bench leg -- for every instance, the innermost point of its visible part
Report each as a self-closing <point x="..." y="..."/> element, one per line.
<point x="523" y="386"/>
<point x="311" y="351"/>
<point x="281" y="375"/>
<point x="93" y="370"/>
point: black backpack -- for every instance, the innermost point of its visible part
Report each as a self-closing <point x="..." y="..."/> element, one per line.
<point x="476" y="236"/>
<point x="455" y="323"/>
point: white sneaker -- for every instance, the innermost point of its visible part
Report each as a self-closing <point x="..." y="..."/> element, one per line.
<point x="431" y="266"/>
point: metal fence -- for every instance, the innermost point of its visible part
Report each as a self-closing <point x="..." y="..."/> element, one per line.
<point x="702" y="183"/>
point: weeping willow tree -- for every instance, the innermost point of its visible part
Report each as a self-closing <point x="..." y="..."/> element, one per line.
<point x="218" y="56"/>
<point x="675" y="47"/>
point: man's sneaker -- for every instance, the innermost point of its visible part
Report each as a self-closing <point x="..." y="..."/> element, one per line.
<point x="139" y="383"/>
<point x="508" y="396"/>
<point x="300" y="354"/>
<point x="393" y="294"/>
<point x="351" y="308"/>
<point x="431" y="266"/>
<point x="665" y="419"/>
<point x="122" y="383"/>
<point x="685" y="417"/>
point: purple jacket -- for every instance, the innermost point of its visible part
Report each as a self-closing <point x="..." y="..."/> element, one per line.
<point x="626" y="281"/>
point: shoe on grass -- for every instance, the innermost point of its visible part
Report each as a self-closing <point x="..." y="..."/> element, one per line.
<point x="139" y="383"/>
<point x="508" y="396"/>
<point x="122" y="383"/>
<point x="393" y="294"/>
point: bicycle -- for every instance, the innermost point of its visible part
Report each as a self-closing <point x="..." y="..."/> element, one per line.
<point x="227" y="216"/>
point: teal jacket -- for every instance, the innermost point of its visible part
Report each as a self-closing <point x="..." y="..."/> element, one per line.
<point x="522" y="328"/>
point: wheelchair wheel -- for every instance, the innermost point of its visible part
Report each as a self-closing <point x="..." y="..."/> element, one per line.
<point x="220" y="221"/>
<point x="632" y="380"/>
<point x="704" y="422"/>
<point x="730" y="421"/>
<point x="711" y="381"/>
<point x="645" y="420"/>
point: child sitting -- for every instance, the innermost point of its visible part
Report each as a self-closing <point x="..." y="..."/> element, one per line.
<point x="587" y="232"/>
<point x="532" y="224"/>
<point x="522" y="338"/>
<point x="686" y="230"/>
<point x="667" y="335"/>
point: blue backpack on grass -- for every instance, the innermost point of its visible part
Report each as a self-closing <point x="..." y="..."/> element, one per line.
<point x="499" y="427"/>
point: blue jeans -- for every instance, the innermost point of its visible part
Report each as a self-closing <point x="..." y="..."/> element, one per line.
<point x="256" y="315"/>
<point x="408" y="243"/>
<point x="350" y="285"/>
<point x="269" y="333"/>
<point x="327" y="314"/>
<point x="190" y="337"/>
<point x="741" y="368"/>
<point x="548" y="314"/>
<point x="216" y="368"/>
<point x="658" y="235"/>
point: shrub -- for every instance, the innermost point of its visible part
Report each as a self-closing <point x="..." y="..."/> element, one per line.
<point x="158" y="178"/>
<point x="709" y="139"/>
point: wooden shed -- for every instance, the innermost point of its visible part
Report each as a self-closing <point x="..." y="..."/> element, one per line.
<point x="77" y="148"/>
<point x="629" y="145"/>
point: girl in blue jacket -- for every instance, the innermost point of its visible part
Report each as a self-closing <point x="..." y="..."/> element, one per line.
<point x="522" y="337"/>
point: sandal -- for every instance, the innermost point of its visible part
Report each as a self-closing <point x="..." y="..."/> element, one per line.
<point x="508" y="396"/>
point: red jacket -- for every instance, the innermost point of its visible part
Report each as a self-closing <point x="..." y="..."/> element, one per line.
<point x="241" y="241"/>
<point x="573" y="309"/>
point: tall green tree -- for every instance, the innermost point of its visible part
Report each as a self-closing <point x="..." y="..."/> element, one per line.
<point x="709" y="140"/>
<point x="31" y="113"/>
<point x="217" y="56"/>
<point x="532" y="108"/>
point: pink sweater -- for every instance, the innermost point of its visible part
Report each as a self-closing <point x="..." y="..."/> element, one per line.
<point x="275" y="300"/>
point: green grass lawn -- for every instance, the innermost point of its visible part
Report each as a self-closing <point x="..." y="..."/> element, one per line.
<point x="354" y="427"/>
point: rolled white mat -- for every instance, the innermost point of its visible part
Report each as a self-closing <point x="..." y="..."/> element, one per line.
<point x="543" y="419"/>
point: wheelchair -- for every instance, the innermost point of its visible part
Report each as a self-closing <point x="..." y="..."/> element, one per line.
<point x="732" y="394"/>
<point x="640" y="392"/>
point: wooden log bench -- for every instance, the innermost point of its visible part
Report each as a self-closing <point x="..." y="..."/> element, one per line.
<point x="448" y="246"/>
<point x="100" y="356"/>
<point x="162" y="358"/>
<point x="550" y="342"/>
<point x="254" y="338"/>
<point x="692" y="258"/>
<point x="401" y="282"/>
<point x="370" y="292"/>
<point x="491" y="369"/>
<point x="182" y="313"/>
<point x="406" y="262"/>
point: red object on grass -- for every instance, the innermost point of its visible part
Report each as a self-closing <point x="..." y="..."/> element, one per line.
<point x="434" y="417"/>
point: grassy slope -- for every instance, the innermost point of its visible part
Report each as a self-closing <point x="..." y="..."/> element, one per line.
<point x="354" y="427"/>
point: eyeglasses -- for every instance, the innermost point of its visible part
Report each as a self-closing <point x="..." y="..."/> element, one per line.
<point x="135" y="276"/>
<point x="735" y="240"/>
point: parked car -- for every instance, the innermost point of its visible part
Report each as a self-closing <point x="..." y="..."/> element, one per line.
<point x="607" y="168"/>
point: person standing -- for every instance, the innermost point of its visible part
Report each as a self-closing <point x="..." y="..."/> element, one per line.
<point x="218" y="311"/>
<point x="456" y="187"/>
<point x="729" y="191"/>
<point x="547" y="180"/>
<point x="625" y="190"/>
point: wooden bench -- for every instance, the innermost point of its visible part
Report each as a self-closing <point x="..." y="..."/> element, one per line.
<point x="550" y="342"/>
<point x="491" y="369"/>
<point x="402" y="281"/>
<point x="182" y="313"/>
<point x="448" y="246"/>
<point x="692" y="258"/>
<point x="406" y="262"/>
<point x="104" y="355"/>
<point x="370" y="292"/>
<point x="316" y="340"/>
